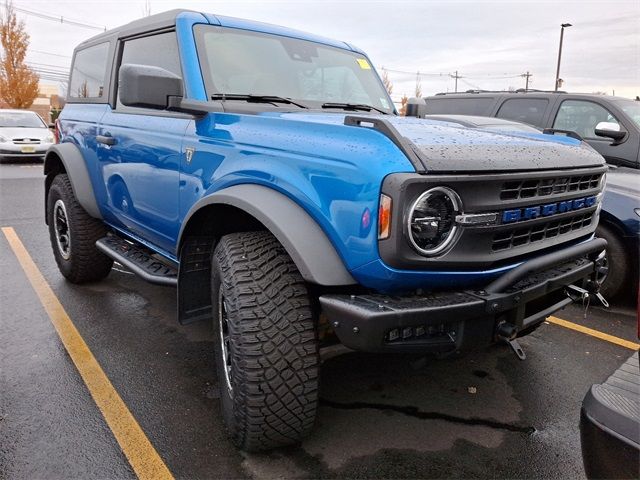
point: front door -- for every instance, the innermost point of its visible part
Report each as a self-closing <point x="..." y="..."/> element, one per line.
<point x="140" y="151"/>
<point x="582" y="116"/>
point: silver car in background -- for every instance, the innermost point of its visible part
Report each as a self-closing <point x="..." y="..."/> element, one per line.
<point x="23" y="134"/>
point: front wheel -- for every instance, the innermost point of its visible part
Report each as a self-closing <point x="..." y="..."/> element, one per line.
<point x="618" y="278"/>
<point x="265" y="342"/>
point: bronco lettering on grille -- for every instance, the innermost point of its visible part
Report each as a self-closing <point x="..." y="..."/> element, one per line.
<point x="529" y="213"/>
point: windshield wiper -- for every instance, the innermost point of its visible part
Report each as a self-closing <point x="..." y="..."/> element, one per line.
<point x="256" y="98"/>
<point x="353" y="106"/>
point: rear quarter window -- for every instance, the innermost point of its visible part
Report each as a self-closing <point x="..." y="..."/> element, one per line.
<point x="525" y="110"/>
<point x="89" y="73"/>
<point x="460" y="106"/>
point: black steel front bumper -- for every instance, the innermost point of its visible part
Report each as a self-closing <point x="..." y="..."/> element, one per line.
<point x="441" y="322"/>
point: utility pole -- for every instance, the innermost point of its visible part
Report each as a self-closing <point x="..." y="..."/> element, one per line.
<point x="563" y="26"/>
<point x="526" y="76"/>
<point x="456" y="76"/>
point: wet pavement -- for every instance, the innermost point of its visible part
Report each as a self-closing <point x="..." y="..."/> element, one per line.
<point x="484" y="414"/>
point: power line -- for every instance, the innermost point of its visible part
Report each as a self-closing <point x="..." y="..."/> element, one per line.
<point x="49" y="53"/>
<point x="421" y="74"/>
<point x="46" y="16"/>
<point x="59" y="67"/>
<point x="475" y="87"/>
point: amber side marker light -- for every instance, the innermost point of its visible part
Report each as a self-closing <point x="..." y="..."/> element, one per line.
<point x="384" y="217"/>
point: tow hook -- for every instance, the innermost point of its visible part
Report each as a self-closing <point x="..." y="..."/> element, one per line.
<point x="594" y="288"/>
<point x="576" y="294"/>
<point x="507" y="332"/>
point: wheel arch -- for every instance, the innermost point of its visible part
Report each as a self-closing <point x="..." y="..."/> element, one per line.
<point x="67" y="158"/>
<point x="254" y="207"/>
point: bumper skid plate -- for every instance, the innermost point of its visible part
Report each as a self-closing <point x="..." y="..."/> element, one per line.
<point x="441" y="322"/>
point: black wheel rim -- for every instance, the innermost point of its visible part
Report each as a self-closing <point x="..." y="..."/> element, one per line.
<point x="224" y="340"/>
<point x="62" y="230"/>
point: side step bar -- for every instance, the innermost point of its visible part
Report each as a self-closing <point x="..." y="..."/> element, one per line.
<point x="139" y="259"/>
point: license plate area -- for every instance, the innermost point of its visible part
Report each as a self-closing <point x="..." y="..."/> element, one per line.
<point x="27" y="149"/>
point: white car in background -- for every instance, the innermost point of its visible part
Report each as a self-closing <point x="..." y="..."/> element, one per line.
<point x="23" y="134"/>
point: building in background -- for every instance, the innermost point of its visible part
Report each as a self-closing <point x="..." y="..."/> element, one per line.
<point x="48" y="102"/>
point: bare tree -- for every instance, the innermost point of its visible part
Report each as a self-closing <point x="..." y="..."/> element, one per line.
<point x="386" y="81"/>
<point x="418" y="92"/>
<point x="403" y="103"/>
<point x="83" y="90"/>
<point x="18" y="82"/>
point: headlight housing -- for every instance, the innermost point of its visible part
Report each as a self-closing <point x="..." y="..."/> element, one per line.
<point x="431" y="221"/>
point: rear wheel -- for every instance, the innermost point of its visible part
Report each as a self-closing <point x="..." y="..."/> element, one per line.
<point x="73" y="234"/>
<point x="265" y="342"/>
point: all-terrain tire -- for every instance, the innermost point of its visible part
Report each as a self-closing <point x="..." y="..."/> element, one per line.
<point x="80" y="261"/>
<point x="620" y="265"/>
<point x="260" y="298"/>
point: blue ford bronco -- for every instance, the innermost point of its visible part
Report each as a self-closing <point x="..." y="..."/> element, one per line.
<point x="266" y="174"/>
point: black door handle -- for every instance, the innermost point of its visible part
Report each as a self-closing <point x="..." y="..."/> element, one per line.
<point x="106" y="139"/>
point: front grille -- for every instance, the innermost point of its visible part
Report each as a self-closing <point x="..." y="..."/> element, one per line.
<point x="518" y="237"/>
<point x="541" y="187"/>
<point x="26" y="141"/>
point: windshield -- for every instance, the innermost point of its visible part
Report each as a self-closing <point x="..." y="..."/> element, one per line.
<point x="239" y="62"/>
<point x="631" y="108"/>
<point x="21" y="119"/>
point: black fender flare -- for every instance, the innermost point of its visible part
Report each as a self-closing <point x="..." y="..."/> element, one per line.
<point x="76" y="167"/>
<point x="300" y="235"/>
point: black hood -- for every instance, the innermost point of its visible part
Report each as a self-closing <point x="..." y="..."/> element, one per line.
<point x="451" y="147"/>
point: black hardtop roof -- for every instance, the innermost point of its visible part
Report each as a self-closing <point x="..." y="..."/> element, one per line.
<point x="153" y="22"/>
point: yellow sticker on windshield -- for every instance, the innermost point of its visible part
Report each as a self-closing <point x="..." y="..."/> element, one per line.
<point x="363" y="63"/>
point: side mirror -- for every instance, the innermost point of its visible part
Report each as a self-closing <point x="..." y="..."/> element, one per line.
<point x="416" y="107"/>
<point x="610" y="130"/>
<point x="145" y="86"/>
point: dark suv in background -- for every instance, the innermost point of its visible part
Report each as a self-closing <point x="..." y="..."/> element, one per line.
<point x="598" y="119"/>
<point x="611" y="125"/>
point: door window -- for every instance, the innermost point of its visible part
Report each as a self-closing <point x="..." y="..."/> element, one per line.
<point x="89" y="72"/>
<point x="582" y="116"/>
<point x="525" y="110"/>
<point x="157" y="51"/>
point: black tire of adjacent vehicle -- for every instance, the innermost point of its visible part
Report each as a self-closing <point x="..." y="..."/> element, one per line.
<point x="617" y="262"/>
<point x="272" y="343"/>
<point x="85" y="263"/>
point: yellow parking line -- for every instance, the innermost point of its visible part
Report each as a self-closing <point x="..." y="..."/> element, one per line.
<point x="143" y="458"/>
<point x="595" y="333"/>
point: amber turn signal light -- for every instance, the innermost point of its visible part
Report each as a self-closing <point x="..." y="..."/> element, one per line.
<point x="384" y="217"/>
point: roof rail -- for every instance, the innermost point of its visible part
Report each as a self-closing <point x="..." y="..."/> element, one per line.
<point x="535" y="90"/>
<point x="471" y="91"/>
<point x="520" y="90"/>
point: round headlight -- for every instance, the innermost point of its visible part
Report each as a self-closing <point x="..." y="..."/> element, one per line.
<point x="432" y="220"/>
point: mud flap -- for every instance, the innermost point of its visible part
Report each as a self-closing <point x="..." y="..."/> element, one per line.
<point x="194" y="280"/>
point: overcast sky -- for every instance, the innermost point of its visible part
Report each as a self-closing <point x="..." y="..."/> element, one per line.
<point x="485" y="41"/>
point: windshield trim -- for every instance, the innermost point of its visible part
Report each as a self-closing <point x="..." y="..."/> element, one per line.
<point x="210" y="89"/>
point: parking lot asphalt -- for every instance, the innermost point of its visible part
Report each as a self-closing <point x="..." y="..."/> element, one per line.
<point x="483" y="414"/>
